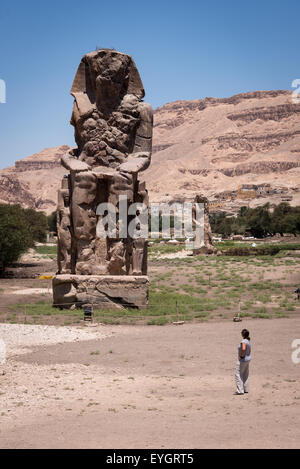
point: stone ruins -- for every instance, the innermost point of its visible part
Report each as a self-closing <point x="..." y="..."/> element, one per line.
<point x="113" y="133"/>
<point x="206" y="246"/>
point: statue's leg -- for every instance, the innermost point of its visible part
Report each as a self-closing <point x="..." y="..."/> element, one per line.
<point x="139" y="246"/>
<point x="84" y="186"/>
<point x="139" y="256"/>
<point x="64" y="229"/>
<point x="119" y="248"/>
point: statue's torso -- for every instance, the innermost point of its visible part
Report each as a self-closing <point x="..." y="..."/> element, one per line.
<point x="106" y="137"/>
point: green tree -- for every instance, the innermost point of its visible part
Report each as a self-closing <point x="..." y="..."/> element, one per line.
<point x="38" y="224"/>
<point x="278" y="216"/>
<point x="291" y="223"/>
<point x="16" y="235"/>
<point x="259" y="221"/>
<point x="224" y="227"/>
<point x="52" y="222"/>
<point x="243" y="211"/>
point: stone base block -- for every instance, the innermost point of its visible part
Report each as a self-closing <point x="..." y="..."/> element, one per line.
<point x="106" y="291"/>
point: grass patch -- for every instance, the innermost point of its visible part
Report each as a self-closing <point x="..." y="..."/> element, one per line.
<point x="261" y="316"/>
<point x="165" y="249"/>
<point x="46" y="250"/>
<point x="157" y="322"/>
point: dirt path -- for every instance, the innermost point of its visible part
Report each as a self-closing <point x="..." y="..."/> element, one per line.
<point x="154" y="387"/>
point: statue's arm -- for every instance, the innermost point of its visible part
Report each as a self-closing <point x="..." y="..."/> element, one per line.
<point x="136" y="162"/>
<point x="140" y="158"/>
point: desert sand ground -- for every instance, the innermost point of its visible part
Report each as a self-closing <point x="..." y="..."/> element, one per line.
<point x="135" y="385"/>
<point x="149" y="387"/>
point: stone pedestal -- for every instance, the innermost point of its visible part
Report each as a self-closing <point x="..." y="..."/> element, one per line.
<point x="105" y="291"/>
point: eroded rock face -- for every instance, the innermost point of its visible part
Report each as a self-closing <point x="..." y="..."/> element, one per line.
<point x="113" y="132"/>
<point x="260" y="167"/>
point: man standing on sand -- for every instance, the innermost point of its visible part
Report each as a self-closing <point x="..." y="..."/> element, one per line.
<point x="242" y="366"/>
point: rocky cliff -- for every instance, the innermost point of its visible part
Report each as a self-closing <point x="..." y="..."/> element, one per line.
<point x="33" y="181"/>
<point x="223" y="144"/>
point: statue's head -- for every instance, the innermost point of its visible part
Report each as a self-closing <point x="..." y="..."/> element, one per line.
<point x="201" y="199"/>
<point x="106" y="75"/>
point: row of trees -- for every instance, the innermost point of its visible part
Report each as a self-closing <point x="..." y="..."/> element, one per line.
<point x="260" y="221"/>
<point x="19" y="230"/>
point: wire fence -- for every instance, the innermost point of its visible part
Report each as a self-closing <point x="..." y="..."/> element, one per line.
<point x="177" y="310"/>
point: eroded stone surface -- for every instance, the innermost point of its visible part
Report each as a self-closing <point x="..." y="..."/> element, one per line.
<point x="207" y="246"/>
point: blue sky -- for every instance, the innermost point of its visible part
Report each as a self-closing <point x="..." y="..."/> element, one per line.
<point x="183" y="49"/>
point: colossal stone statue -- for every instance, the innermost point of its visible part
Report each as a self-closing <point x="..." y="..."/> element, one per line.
<point x="113" y="132"/>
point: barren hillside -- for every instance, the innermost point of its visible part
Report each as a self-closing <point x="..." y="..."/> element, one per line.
<point x="33" y="181"/>
<point x="239" y="150"/>
<point x="243" y="148"/>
